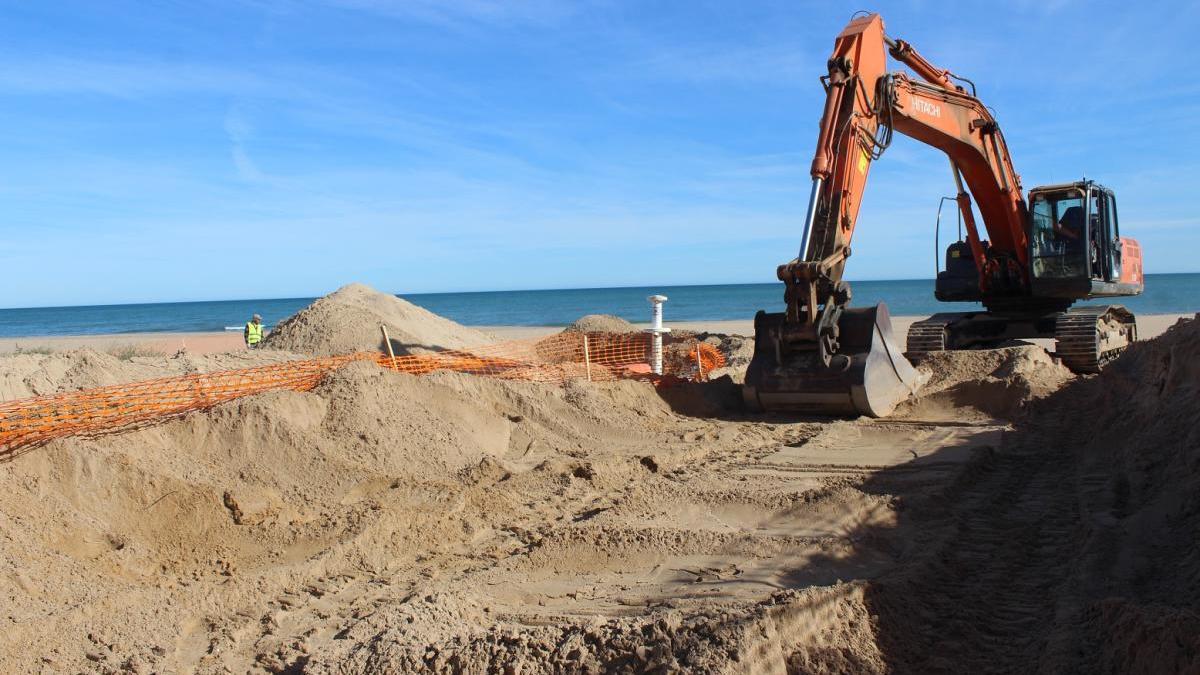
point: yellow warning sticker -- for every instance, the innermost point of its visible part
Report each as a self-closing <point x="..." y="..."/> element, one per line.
<point x="862" y="163"/>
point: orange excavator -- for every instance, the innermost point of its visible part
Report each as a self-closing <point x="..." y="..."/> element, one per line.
<point x="1035" y="257"/>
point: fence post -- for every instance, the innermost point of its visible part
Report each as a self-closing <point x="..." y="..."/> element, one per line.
<point x="388" y="341"/>
<point x="699" y="364"/>
<point x="587" y="357"/>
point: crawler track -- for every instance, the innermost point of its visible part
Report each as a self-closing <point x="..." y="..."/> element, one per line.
<point x="1087" y="338"/>
<point x="928" y="335"/>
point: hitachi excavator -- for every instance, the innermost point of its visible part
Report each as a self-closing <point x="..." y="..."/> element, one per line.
<point x="1039" y="256"/>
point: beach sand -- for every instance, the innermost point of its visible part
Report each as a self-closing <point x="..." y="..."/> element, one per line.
<point x="166" y="343"/>
<point x="386" y="522"/>
<point x="213" y="342"/>
<point x="1149" y="326"/>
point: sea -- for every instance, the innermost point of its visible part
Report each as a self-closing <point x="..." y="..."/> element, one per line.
<point x="1165" y="294"/>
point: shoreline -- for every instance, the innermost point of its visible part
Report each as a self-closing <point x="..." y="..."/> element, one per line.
<point x="1149" y="326"/>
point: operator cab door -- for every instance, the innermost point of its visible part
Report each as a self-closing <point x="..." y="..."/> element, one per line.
<point x="1104" y="243"/>
<point x="1111" y="251"/>
<point x="1099" y="236"/>
<point x="1104" y="257"/>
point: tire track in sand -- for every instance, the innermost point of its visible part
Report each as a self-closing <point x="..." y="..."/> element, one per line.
<point x="986" y="596"/>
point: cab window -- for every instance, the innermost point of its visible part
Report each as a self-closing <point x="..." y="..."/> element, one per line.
<point x="1059" y="235"/>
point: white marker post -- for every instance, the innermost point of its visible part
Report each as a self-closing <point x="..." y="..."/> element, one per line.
<point x="656" y="330"/>
<point x="587" y="357"/>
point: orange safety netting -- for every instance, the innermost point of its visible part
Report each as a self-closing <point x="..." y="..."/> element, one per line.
<point x="30" y="422"/>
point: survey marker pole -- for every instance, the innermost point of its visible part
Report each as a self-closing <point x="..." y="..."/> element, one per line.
<point x="656" y="331"/>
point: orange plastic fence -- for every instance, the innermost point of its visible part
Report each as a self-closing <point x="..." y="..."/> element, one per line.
<point x="27" y="423"/>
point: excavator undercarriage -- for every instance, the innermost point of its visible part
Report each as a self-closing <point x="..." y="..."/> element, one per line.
<point x="1085" y="338"/>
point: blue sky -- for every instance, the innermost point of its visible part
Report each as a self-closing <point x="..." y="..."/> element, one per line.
<point x="210" y="150"/>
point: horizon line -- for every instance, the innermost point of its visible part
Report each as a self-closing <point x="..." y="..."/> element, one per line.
<point x="480" y="292"/>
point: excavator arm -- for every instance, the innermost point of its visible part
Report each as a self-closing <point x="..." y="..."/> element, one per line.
<point x="820" y="355"/>
<point x="864" y="105"/>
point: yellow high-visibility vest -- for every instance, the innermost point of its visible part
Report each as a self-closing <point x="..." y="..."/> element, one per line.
<point x="253" y="333"/>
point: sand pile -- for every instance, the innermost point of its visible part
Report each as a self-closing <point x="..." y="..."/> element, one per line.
<point x="813" y="631"/>
<point x="1071" y="547"/>
<point x="390" y="523"/>
<point x="348" y="320"/>
<point x="1137" y="430"/>
<point x="1064" y="545"/>
<point x="737" y="350"/>
<point x="999" y="382"/>
<point x="25" y="375"/>
<point x="190" y="541"/>
<point x="601" y="323"/>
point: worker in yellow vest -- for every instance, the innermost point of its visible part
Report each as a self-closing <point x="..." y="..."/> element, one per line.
<point x="253" y="332"/>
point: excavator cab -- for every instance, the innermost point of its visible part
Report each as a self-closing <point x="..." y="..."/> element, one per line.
<point x="1076" y="249"/>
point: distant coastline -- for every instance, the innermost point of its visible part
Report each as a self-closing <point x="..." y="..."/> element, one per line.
<point x="1149" y="325"/>
<point x="1166" y="294"/>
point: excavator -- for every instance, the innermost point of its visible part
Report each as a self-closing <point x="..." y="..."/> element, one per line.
<point x="1035" y="256"/>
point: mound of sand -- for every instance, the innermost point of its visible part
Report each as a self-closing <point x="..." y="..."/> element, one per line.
<point x="349" y="320"/>
<point x="1077" y="553"/>
<point x="999" y="382"/>
<point x="601" y="323"/>
<point x="201" y="528"/>
<point x="25" y="375"/>
<point x="816" y="631"/>
<point x="384" y="522"/>
<point x="39" y="374"/>
<point x="738" y="350"/>
<point x="1137" y="437"/>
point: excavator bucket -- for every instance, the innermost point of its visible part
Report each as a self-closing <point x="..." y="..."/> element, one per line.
<point x="871" y="380"/>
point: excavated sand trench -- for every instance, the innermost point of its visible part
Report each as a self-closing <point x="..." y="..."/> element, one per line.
<point x="390" y="523"/>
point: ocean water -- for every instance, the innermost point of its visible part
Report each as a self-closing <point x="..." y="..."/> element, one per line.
<point x="1165" y="294"/>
